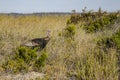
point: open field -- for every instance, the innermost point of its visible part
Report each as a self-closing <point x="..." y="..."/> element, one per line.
<point x="68" y="59"/>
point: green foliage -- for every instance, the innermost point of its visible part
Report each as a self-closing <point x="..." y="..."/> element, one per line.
<point x="74" y="19"/>
<point x="15" y="65"/>
<point x="70" y="31"/>
<point x="100" y="23"/>
<point x="23" y="59"/>
<point x="26" y="54"/>
<point x="40" y="62"/>
<point x="94" y="21"/>
<point x="116" y="39"/>
<point x="105" y="43"/>
<point x="68" y="21"/>
<point x="113" y="41"/>
<point x="90" y="28"/>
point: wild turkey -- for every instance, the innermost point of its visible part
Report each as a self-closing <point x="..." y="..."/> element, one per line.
<point x="38" y="42"/>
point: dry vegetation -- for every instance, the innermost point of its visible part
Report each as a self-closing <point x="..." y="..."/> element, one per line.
<point x="69" y="58"/>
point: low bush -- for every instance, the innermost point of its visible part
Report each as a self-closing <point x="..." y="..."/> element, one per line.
<point x="26" y="54"/>
<point x="105" y="43"/>
<point x="111" y="42"/>
<point x="74" y="19"/>
<point x="100" y="23"/>
<point x="15" y="65"/>
<point x="23" y="59"/>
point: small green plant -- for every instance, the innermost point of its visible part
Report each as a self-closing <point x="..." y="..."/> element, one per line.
<point x="70" y="31"/>
<point x="68" y="21"/>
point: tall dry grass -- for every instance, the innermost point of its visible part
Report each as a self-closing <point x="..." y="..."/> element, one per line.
<point x="67" y="59"/>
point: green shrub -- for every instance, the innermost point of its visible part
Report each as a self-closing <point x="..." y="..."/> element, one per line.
<point x="26" y="54"/>
<point x="15" y="66"/>
<point x="70" y="31"/>
<point x="113" y="41"/>
<point x="116" y="39"/>
<point x="105" y="43"/>
<point x="100" y="23"/>
<point x="90" y="28"/>
<point x="68" y="21"/>
<point x="40" y="62"/>
<point x="23" y="59"/>
<point x="74" y="19"/>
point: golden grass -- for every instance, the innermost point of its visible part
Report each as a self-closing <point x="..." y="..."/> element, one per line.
<point x="65" y="57"/>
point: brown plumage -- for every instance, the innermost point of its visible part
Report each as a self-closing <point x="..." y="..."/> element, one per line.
<point x="38" y="42"/>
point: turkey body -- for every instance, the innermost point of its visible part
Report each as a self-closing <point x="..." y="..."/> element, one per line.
<point x="40" y="43"/>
